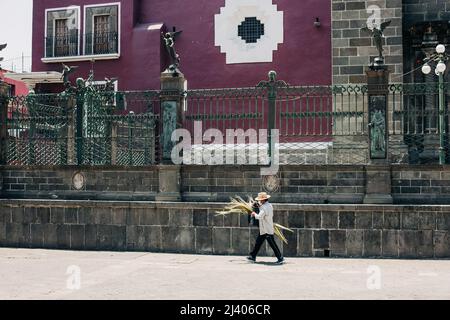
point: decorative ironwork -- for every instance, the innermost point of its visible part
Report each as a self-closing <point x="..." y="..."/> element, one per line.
<point x="81" y="126"/>
<point x="102" y="42"/>
<point x="86" y="125"/>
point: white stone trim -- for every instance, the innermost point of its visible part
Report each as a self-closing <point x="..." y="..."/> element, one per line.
<point x="78" y="9"/>
<point x="119" y="22"/>
<point x="82" y="58"/>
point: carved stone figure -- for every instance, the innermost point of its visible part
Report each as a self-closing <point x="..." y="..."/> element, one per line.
<point x="378" y="132"/>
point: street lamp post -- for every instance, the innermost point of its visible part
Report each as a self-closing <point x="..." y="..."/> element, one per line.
<point x="440" y="57"/>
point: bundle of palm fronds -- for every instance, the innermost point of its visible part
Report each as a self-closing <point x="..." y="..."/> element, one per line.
<point x="238" y="205"/>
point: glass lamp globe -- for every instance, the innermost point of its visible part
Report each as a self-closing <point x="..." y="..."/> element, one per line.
<point x="441" y="67"/>
<point x="436" y="72"/>
<point x="426" y="69"/>
<point x="440" y="48"/>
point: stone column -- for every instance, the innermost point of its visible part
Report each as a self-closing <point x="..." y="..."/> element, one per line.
<point x="378" y="172"/>
<point x="4" y="91"/>
<point x="172" y="105"/>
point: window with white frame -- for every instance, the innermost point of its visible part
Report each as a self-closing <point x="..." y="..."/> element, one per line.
<point x="62" y="37"/>
<point x="101" y="29"/>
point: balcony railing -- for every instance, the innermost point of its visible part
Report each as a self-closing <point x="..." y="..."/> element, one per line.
<point x="101" y="43"/>
<point x="94" y="44"/>
<point x="65" y="45"/>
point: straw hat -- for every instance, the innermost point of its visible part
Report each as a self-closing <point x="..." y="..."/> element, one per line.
<point x="262" y="196"/>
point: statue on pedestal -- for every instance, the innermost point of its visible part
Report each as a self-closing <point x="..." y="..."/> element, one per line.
<point x="377" y="35"/>
<point x="169" y="40"/>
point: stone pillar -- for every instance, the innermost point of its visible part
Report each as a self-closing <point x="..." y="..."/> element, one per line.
<point x="171" y="118"/>
<point x="4" y="92"/>
<point x="172" y="104"/>
<point x="378" y="172"/>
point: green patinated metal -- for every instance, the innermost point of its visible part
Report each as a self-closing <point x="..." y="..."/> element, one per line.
<point x="95" y="126"/>
<point x="82" y="128"/>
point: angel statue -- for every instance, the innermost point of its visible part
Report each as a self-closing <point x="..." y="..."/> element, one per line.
<point x="377" y="34"/>
<point x="169" y="40"/>
<point x="65" y="74"/>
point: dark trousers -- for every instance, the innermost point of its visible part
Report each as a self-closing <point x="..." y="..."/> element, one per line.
<point x="272" y="243"/>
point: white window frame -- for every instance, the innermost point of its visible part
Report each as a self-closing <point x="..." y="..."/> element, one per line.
<point x="78" y="9"/>
<point x="119" y="24"/>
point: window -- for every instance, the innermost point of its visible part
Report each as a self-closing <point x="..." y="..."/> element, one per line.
<point x="61" y="38"/>
<point x="101" y="29"/>
<point x="62" y="32"/>
<point x="251" y="30"/>
<point x="101" y="34"/>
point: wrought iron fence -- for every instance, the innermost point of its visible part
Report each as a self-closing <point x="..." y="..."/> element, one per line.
<point x="95" y="129"/>
<point x="415" y="121"/>
<point x="316" y="125"/>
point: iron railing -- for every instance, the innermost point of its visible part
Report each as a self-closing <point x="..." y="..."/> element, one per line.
<point x="68" y="44"/>
<point x="62" y="129"/>
<point x="310" y="121"/>
<point x="316" y="125"/>
<point x="65" y="45"/>
<point x="101" y="43"/>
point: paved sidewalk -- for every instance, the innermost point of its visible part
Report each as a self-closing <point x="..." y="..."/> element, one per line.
<point x="46" y="274"/>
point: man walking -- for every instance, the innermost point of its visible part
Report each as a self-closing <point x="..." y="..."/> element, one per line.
<point x="266" y="230"/>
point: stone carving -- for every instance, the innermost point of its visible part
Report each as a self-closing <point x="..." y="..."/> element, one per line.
<point x="271" y="183"/>
<point x="378" y="133"/>
<point x="170" y="125"/>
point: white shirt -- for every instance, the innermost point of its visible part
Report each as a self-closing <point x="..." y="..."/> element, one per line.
<point x="265" y="218"/>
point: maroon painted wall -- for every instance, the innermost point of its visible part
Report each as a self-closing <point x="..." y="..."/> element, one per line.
<point x="303" y="59"/>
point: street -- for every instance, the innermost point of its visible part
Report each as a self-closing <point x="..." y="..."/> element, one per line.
<point x="49" y="275"/>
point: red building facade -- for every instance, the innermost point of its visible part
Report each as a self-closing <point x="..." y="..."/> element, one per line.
<point x="224" y="43"/>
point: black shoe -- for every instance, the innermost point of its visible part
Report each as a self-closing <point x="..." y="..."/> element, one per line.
<point x="250" y="258"/>
<point x="280" y="261"/>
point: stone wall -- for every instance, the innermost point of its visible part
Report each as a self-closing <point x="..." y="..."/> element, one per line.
<point x="353" y="49"/>
<point x="319" y="230"/>
<point x="421" y="184"/>
<point x="298" y="184"/>
<point x="102" y="182"/>
<point x="321" y="184"/>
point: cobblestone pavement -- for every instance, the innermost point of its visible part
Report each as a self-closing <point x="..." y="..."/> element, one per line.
<point x="47" y="274"/>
